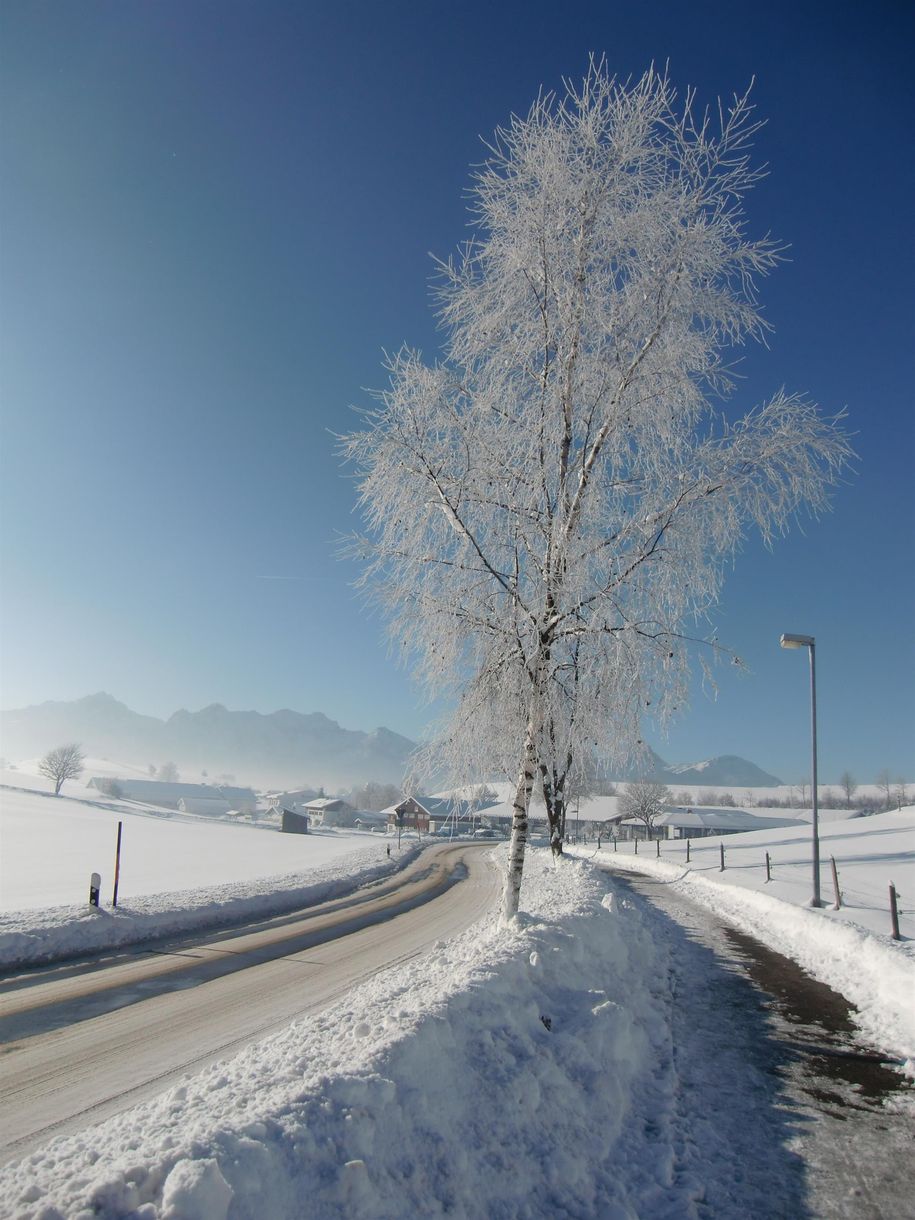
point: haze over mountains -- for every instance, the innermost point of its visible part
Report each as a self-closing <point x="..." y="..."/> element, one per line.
<point x="277" y="749"/>
<point x="282" y="748"/>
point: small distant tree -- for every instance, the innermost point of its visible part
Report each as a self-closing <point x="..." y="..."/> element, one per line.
<point x="901" y="793"/>
<point x="802" y="788"/>
<point x="168" y="773"/>
<point x="849" y="786"/>
<point x="66" y="762"/>
<point x="375" y="796"/>
<point x="645" y="800"/>
<point x="885" y="784"/>
<point x="110" y="787"/>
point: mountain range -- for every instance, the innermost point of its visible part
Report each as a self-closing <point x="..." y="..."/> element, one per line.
<point x="725" y="771"/>
<point x="277" y="749"/>
<point x="280" y="749"/>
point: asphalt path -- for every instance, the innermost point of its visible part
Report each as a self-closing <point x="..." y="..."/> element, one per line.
<point x="807" y="1121"/>
<point x="84" y="1040"/>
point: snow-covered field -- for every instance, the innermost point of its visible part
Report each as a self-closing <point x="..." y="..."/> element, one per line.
<point x="869" y="854"/>
<point x="178" y="871"/>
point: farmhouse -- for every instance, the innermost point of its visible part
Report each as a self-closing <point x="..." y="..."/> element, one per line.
<point x="330" y="811"/>
<point x="414" y="813"/>
<point x="431" y="813"/>
<point x="694" y="822"/>
<point x="158" y="792"/>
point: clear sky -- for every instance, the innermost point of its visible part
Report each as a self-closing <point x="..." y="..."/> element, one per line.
<point x="216" y="215"/>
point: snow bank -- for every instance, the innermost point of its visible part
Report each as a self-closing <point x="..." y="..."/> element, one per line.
<point x="492" y="1077"/>
<point x="874" y="972"/>
<point x="56" y="933"/>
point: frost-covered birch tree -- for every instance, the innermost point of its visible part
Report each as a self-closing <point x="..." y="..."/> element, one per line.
<point x="550" y="507"/>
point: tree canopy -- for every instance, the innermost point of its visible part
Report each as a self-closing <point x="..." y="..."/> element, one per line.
<point x="550" y="507"/>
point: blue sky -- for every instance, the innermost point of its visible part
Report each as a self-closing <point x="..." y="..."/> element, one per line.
<point x="216" y="215"/>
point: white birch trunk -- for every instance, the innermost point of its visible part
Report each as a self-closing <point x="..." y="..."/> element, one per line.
<point x="511" y="892"/>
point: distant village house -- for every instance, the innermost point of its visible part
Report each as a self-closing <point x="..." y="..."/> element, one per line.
<point x="207" y="799"/>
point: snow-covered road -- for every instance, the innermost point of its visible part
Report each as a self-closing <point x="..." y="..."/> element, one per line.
<point x="83" y="1042"/>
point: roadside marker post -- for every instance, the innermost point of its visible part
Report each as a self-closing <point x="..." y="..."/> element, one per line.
<point x="835" y="884"/>
<point x="894" y="912"/>
<point x="721" y="849"/>
<point x="95" y="884"/>
<point x="117" y="866"/>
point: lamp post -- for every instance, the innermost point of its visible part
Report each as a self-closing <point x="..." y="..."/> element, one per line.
<point x="808" y="641"/>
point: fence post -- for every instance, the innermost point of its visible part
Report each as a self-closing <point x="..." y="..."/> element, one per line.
<point x="835" y="884"/>
<point x="894" y="913"/>
<point x="657" y="844"/>
<point x="687" y="851"/>
<point x="636" y="842"/>
<point x="614" y="844"/>
<point x="721" y="849"/>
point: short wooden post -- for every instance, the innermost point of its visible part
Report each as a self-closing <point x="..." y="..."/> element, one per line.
<point x="657" y="844"/>
<point x="894" y="912"/>
<point x="687" y="851"/>
<point x="614" y="844"/>
<point x="636" y="842"/>
<point x="721" y="849"/>
<point x="117" y="866"/>
<point x="768" y="869"/>
<point x="835" y="884"/>
<point x="95" y="884"/>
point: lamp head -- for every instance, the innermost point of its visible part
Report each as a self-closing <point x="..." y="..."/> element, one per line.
<point x="796" y="641"/>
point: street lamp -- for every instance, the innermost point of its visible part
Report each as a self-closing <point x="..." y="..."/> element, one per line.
<point x="808" y="641"/>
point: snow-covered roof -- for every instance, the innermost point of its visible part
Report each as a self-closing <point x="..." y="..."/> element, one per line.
<point x="323" y="803"/>
<point x="155" y="791"/>
<point x="204" y="804"/>
<point x="443" y="806"/>
<point x="696" y="817"/>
